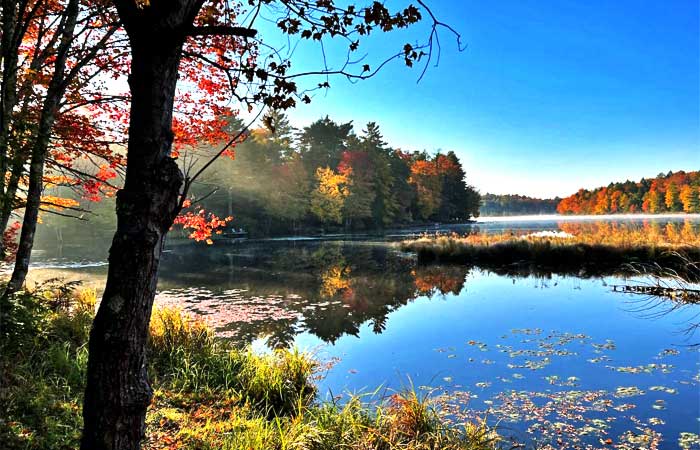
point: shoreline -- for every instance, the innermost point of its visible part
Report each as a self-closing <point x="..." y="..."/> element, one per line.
<point x="584" y="217"/>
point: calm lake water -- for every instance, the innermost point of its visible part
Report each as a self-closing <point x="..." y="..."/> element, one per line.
<point x="545" y="356"/>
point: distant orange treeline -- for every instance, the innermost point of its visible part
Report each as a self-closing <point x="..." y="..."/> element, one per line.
<point x="673" y="192"/>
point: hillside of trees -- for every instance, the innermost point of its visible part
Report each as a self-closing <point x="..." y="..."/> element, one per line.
<point x="516" y="205"/>
<point x="327" y="176"/>
<point x="672" y="192"/>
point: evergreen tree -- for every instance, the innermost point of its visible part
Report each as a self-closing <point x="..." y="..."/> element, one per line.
<point x="322" y="143"/>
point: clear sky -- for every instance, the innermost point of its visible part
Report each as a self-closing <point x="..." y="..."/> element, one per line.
<point x="548" y="96"/>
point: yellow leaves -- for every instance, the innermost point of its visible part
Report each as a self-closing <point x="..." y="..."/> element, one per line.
<point x="59" y="203"/>
<point x="328" y="198"/>
<point x="334" y="279"/>
<point x="332" y="184"/>
<point x="51" y="181"/>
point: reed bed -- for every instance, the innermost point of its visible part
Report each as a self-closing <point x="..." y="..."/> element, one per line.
<point x="576" y="248"/>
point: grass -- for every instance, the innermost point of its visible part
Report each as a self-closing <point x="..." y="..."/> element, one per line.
<point x="593" y="249"/>
<point x="208" y="394"/>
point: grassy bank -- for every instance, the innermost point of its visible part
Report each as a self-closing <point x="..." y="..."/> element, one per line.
<point x="590" y="249"/>
<point x="208" y="394"/>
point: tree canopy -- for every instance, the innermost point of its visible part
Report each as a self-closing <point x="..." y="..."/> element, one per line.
<point x="671" y="192"/>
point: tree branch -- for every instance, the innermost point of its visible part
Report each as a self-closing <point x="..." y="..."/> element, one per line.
<point x="222" y="30"/>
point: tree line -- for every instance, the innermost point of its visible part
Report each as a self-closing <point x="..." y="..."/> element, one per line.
<point x="513" y="204"/>
<point x="671" y="192"/>
<point x="328" y="176"/>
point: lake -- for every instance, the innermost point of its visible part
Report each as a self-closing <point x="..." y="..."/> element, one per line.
<point x="548" y="358"/>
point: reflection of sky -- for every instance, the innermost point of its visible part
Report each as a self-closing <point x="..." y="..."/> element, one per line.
<point x="421" y="338"/>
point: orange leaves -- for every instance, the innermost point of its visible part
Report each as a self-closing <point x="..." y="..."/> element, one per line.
<point x="424" y="168"/>
<point x="445" y="165"/>
<point x="106" y="173"/>
<point x="202" y="225"/>
<point x="59" y="203"/>
<point x="658" y="195"/>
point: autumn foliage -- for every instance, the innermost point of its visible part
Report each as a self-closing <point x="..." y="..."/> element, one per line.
<point x="673" y="192"/>
<point x="327" y="175"/>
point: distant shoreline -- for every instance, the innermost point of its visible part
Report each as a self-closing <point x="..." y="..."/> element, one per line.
<point x="574" y="217"/>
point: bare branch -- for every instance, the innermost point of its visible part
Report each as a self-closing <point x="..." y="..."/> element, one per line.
<point x="222" y="30"/>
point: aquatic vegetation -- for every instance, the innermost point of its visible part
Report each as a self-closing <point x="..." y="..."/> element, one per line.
<point x="629" y="391"/>
<point x="565" y="414"/>
<point x="687" y="441"/>
<point x="584" y="248"/>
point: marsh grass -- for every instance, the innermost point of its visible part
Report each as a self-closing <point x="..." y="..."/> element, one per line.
<point x="591" y="249"/>
<point x="208" y="394"/>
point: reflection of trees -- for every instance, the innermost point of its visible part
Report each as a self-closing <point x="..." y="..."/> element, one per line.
<point x="336" y="288"/>
<point x="647" y="231"/>
<point x="439" y="279"/>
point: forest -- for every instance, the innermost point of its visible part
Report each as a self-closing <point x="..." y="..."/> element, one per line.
<point x="328" y="176"/>
<point x="514" y="204"/>
<point x="324" y="177"/>
<point x="672" y="192"/>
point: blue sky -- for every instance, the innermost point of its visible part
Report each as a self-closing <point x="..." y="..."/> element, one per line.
<point x="548" y="96"/>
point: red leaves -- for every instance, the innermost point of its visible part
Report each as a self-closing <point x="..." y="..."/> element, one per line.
<point x="201" y="223"/>
<point x="9" y="241"/>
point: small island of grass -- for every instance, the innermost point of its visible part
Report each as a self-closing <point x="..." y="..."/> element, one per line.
<point x="593" y="249"/>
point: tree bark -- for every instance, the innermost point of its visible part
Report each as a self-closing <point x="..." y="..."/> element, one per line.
<point x="9" y="52"/>
<point x="118" y="392"/>
<point x="54" y="93"/>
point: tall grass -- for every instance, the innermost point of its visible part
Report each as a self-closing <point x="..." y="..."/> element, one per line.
<point x="208" y="394"/>
<point x="594" y="248"/>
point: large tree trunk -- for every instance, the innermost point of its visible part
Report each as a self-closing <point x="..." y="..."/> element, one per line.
<point x="118" y="392"/>
<point x="8" y="86"/>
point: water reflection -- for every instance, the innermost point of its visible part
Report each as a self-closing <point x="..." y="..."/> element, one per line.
<point x="328" y="289"/>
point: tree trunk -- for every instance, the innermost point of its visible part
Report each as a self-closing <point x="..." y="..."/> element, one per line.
<point x="8" y="99"/>
<point x="54" y="93"/>
<point x="7" y="204"/>
<point x="118" y="392"/>
<point x="8" y="88"/>
<point x="31" y="210"/>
